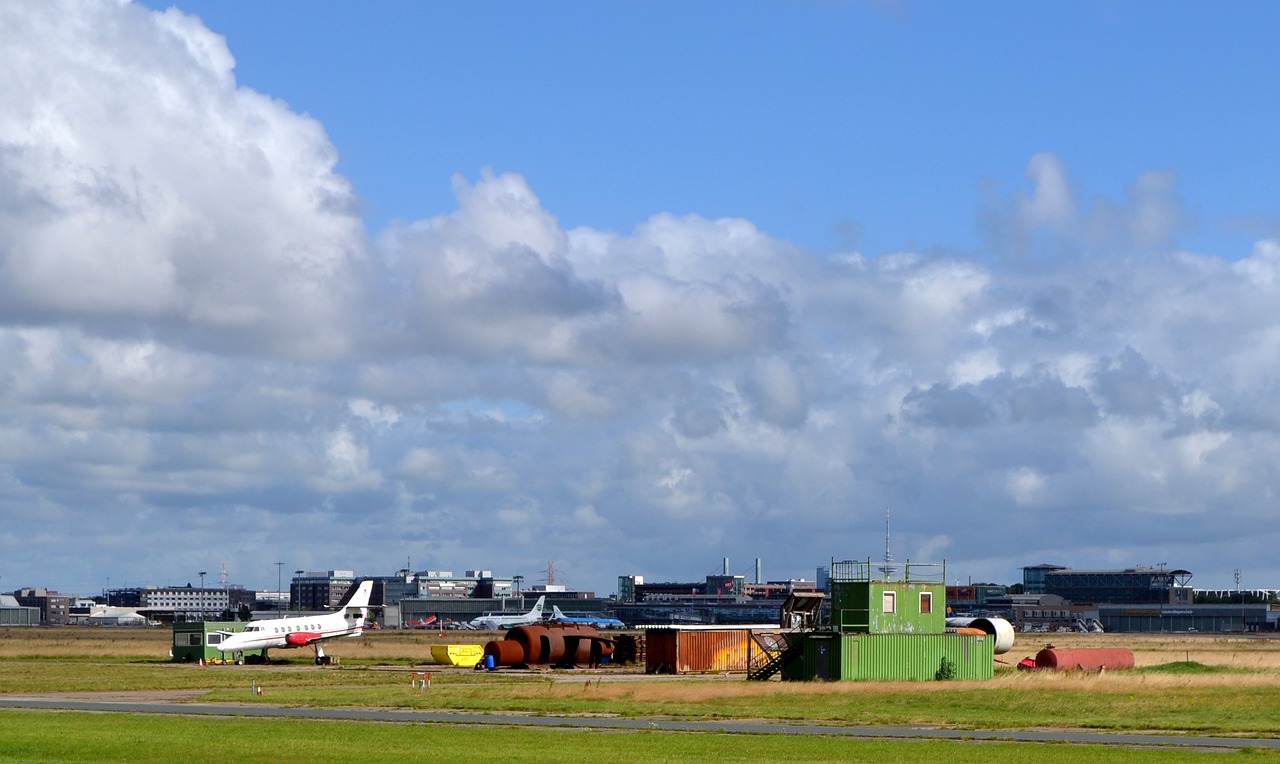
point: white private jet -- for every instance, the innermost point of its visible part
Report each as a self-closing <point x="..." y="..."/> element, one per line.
<point x="302" y="631"/>
<point x="500" y="621"/>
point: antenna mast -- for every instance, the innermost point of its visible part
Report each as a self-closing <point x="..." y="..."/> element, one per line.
<point x="887" y="569"/>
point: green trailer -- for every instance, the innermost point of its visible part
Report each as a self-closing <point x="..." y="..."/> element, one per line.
<point x="196" y="641"/>
<point x="894" y="657"/>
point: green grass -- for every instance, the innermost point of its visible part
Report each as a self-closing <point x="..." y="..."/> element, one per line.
<point x="1190" y="667"/>
<point x="1217" y="709"/>
<point x="1173" y="699"/>
<point x="80" y="737"/>
<point x="1181" y="697"/>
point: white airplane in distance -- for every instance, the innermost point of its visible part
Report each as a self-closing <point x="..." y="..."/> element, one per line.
<point x="302" y="631"/>
<point x="500" y="621"/>
<point x="598" y="622"/>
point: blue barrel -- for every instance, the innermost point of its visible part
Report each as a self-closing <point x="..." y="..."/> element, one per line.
<point x="488" y="662"/>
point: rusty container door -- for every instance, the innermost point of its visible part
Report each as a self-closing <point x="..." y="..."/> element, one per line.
<point x="713" y="651"/>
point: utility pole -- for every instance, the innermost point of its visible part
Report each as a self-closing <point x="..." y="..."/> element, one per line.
<point x="279" y="569"/>
<point x="202" y="595"/>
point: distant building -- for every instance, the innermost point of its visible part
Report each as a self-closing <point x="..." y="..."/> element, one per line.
<point x="627" y="588"/>
<point x="778" y="590"/>
<point x="314" y="592"/>
<point x="55" y="608"/>
<point x="1033" y="578"/>
<point x="1203" y="618"/>
<point x="1128" y="586"/>
<point x="183" y="601"/>
<point x="13" y="614"/>
<point x="973" y="598"/>
<point x="719" y="599"/>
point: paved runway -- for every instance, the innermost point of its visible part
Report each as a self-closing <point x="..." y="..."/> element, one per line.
<point x="754" y="727"/>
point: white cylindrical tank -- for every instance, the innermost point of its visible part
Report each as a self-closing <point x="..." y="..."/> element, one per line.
<point x="998" y="628"/>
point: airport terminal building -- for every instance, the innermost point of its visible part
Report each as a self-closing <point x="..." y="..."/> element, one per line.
<point x="1139" y="599"/>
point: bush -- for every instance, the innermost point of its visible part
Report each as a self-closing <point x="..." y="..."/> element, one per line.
<point x="946" y="670"/>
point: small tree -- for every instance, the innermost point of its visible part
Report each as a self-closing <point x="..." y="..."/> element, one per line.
<point x="946" y="670"/>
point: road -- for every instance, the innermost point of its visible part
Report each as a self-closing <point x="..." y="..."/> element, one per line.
<point x="672" y="725"/>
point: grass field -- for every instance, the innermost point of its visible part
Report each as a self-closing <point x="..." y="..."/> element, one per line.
<point x="1226" y="686"/>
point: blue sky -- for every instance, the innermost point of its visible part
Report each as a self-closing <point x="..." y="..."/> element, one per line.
<point x="801" y="117"/>
<point x="636" y="287"/>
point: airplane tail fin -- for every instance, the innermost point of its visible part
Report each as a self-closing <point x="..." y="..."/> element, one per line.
<point x="539" y="606"/>
<point x="556" y="614"/>
<point x="356" y="600"/>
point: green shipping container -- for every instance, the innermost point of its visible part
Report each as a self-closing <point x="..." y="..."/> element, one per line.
<point x="195" y="641"/>
<point x="894" y="657"/>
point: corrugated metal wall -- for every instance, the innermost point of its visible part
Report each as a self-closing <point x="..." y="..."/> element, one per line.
<point x="896" y="657"/>
<point x="675" y="651"/>
<point x="19" y="616"/>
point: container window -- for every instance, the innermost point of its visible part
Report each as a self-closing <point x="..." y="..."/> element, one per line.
<point x="926" y="603"/>
<point x="889" y="602"/>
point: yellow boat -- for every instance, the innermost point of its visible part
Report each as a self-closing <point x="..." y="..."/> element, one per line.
<point x="457" y="655"/>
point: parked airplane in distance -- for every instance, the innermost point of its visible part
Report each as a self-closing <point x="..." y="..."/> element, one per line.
<point x="500" y="621"/>
<point x="302" y="631"/>
<point x="596" y="621"/>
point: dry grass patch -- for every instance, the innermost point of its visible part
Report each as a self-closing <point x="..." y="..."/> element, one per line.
<point x="1254" y="652"/>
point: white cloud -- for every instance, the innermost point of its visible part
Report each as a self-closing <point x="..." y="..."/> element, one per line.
<point x="139" y="184"/>
<point x="1026" y="486"/>
<point x="1052" y="202"/>
<point x="1146" y="220"/>
<point x="777" y="393"/>
<point x="200" y="350"/>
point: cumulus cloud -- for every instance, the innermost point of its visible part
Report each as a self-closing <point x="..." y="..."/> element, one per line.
<point x="490" y="279"/>
<point x="141" y="186"/>
<point x="1052" y="218"/>
<point x="201" y="350"/>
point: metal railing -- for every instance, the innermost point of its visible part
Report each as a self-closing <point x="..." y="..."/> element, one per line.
<point x="867" y="570"/>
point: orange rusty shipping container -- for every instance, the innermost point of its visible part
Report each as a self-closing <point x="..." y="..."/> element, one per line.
<point x="684" y="650"/>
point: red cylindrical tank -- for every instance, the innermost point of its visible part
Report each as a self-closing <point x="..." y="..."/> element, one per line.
<point x="505" y="652"/>
<point x="1084" y="658"/>
<point x="549" y="643"/>
<point x="533" y="639"/>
